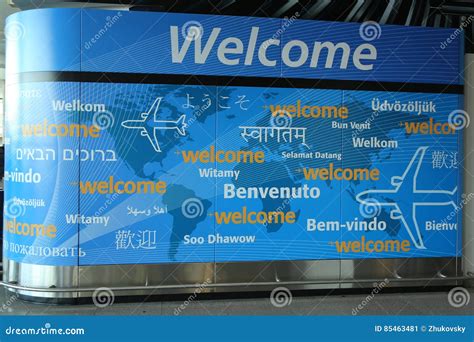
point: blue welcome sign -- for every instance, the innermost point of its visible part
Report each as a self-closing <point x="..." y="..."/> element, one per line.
<point x="168" y="138"/>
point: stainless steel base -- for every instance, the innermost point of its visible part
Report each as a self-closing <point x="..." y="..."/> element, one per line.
<point x="69" y="282"/>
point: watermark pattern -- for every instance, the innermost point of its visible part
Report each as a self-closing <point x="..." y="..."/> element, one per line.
<point x="103" y="297"/>
<point x="9" y="302"/>
<point x="367" y="122"/>
<point x="103" y="120"/>
<point x="459" y="119"/>
<point x="444" y="44"/>
<point x="370" y="208"/>
<point x="108" y="202"/>
<point x="13" y="209"/>
<point x="280" y="208"/>
<point x="109" y="22"/>
<point x="192" y="208"/>
<point x="281" y="297"/>
<point x="459" y="297"/>
<point x="370" y="30"/>
<point x="192" y="30"/>
<point x="196" y="115"/>
<point x="198" y="290"/>
<point x="466" y="198"/>
<point x="14" y="30"/>
<point x="376" y="289"/>
<point x="281" y="119"/>
<point x="285" y="25"/>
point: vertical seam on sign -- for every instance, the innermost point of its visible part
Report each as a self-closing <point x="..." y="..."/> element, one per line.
<point x="216" y="107"/>
<point x="343" y="100"/>
<point x="79" y="161"/>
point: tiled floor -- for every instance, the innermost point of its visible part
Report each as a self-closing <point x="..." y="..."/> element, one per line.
<point x="412" y="303"/>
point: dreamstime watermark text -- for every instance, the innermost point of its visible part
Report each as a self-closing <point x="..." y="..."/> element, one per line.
<point x="47" y="329"/>
<point x="376" y="290"/>
<point x="197" y="291"/>
<point x="109" y="22"/>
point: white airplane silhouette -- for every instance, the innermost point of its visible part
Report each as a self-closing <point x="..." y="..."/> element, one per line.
<point x="149" y="126"/>
<point x="405" y="197"/>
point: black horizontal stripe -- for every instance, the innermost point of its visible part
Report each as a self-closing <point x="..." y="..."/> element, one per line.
<point x="247" y="81"/>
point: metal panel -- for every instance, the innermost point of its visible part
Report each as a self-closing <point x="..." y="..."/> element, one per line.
<point x="280" y="272"/>
<point x="41" y="276"/>
<point x="146" y="280"/>
<point x="197" y="274"/>
<point x="437" y="269"/>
